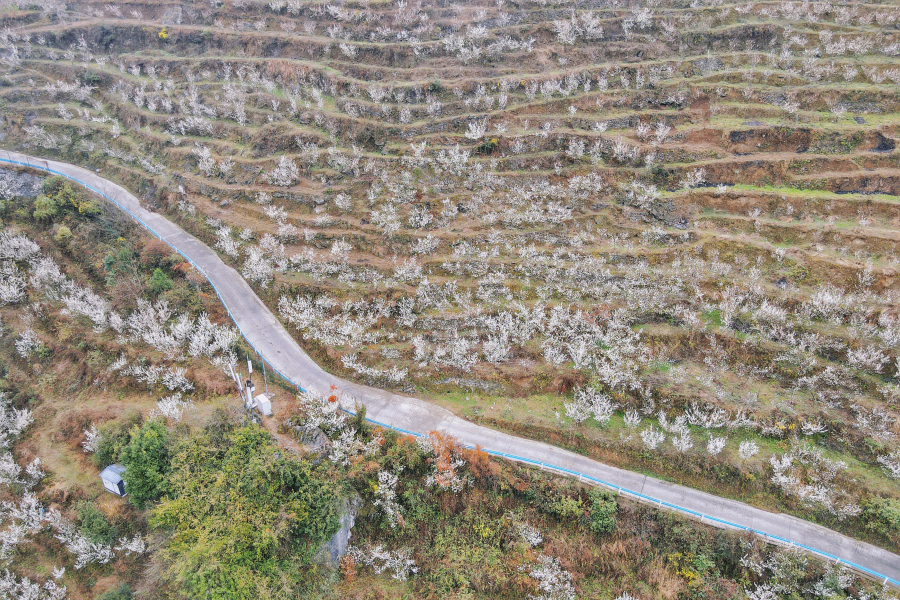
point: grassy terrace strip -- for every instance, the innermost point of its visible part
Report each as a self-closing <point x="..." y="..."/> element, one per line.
<point x="371" y="398"/>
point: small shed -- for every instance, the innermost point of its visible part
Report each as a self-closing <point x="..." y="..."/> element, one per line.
<point x="112" y="480"/>
<point x="264" y="404"/>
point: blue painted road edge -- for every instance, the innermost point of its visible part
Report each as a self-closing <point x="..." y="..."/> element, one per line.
<point x="774" y="538"/>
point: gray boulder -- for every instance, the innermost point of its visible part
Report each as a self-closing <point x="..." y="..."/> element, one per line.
<point x="19" y="185"/>
<point x="313" y="438"/>
<point x="330" y="553"/>
<point x="172" y="16"/>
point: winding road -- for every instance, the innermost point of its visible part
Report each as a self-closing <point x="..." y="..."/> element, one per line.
<point x="411" y="415"/>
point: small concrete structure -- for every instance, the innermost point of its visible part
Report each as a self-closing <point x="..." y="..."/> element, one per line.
<point x="112" y="480"/>
<point x="264" y="404"/>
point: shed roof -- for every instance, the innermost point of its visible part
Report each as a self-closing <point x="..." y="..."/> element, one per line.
<point x="112" y="473"/>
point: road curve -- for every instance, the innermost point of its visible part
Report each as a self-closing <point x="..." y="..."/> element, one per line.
<point x="411" y="415"/>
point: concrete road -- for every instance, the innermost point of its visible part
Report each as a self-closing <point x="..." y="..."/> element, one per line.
<point x="285" y="355"/>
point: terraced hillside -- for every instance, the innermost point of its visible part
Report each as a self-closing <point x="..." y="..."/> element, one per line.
<point x="662" y="233"/>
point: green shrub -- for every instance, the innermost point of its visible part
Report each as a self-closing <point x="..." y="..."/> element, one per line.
<point x="244" y="517"/>
<point x="488" y="146"/>
<point x="160" y="282"/>
<point x="567" y="508"/>
<point x="89" y="208"/>
<point x="60" y="199"/>
<point x="94" y="524"/>
<point x="122" y="592"/>
<point x="882" y="515"/>
<point x="603" y="511"/>
<point x="91" y="78"/>
<point x="63" y="236"/>
<point x="119" y="262"/>
<point x="146" y="461"/>
<point x="45" y="208"/>
<point x="113" y="437"/>
<point x="358" y="422"/>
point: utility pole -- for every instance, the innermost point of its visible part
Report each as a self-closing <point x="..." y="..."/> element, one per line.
<point x="236" y="375"/>
<point x="265" y="378"/>
<point x="250" y="386"/>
